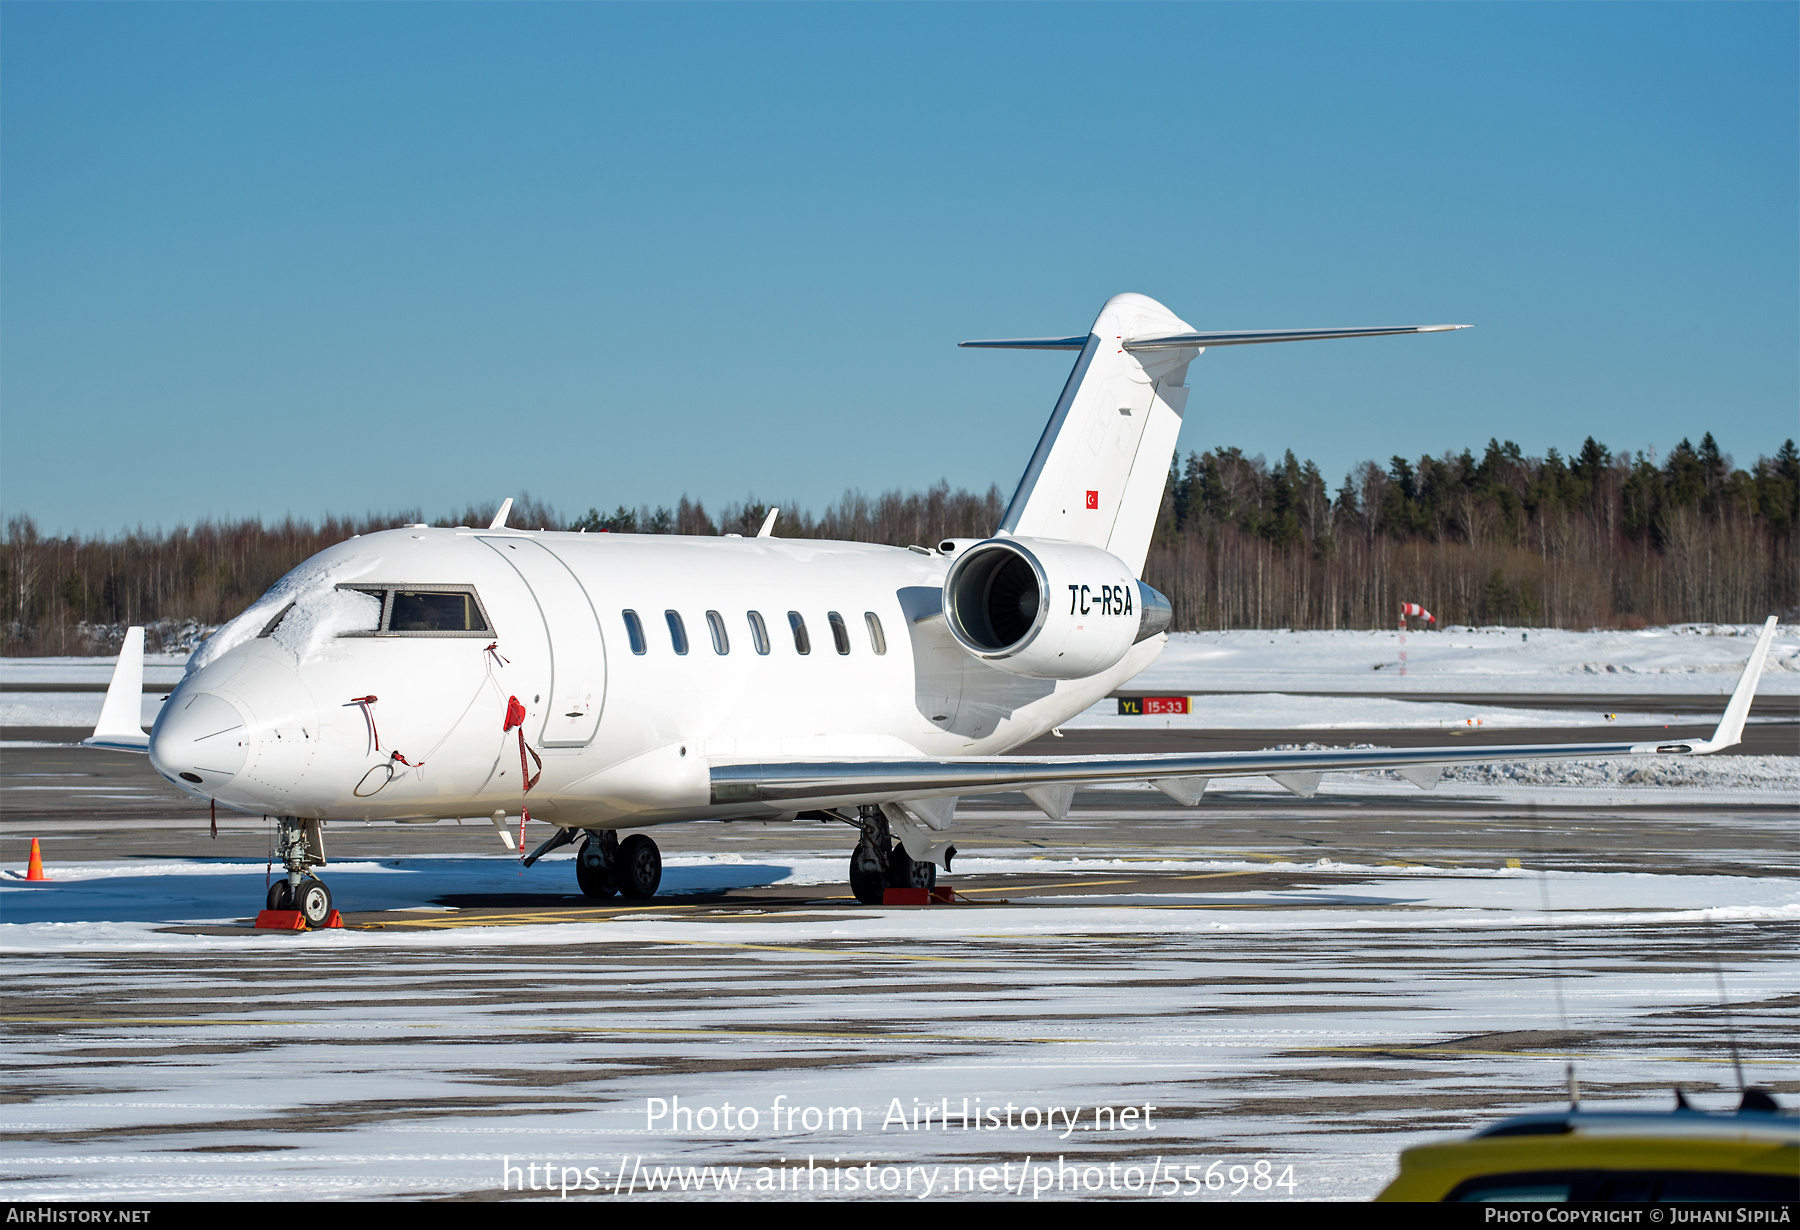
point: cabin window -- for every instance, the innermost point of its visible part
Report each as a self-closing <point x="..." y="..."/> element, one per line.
<point x="877" y="641"/>
<point x="677" y="631"/>
<point x="802" y="642"/>
<point x="634" y="630"/>
<point x="425" y="610"/>
<point x="759" y="633"/>
<point x="716" y="625"/>
<point x="840" y="635"/>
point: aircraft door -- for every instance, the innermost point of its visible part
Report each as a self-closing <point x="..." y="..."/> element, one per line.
<point x="577" y="653"/>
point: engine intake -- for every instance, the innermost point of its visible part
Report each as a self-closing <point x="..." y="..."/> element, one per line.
<point x="1049" y="610"/>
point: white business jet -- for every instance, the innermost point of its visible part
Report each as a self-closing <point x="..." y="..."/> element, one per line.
<point x="621" y="681"/>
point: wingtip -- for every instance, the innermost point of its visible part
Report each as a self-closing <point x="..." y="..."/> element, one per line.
<point x="1731" y="725"/>
<point x="1442" y="328"/>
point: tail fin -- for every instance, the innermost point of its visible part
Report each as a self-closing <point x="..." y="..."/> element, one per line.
<point x="1098" y="473"/>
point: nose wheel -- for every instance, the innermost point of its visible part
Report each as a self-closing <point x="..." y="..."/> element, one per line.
<point x="313" y="901"/>
<point x="300" y="845"/>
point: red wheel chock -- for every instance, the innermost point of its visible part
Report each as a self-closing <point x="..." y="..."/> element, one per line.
<point x="918" y="896"/>
<point x="294" y="920"/>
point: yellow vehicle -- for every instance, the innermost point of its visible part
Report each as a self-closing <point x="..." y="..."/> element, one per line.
<point x="1580" y="1156"/>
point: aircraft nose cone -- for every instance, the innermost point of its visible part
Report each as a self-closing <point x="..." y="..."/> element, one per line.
<point x="201" y="739"/>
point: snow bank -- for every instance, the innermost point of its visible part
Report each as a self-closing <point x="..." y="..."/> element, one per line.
<point x="1695" y="659"/>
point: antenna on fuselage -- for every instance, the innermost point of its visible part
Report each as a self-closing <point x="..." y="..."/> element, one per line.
<point x="768" y="524"/>
<point x="499" y="521"/>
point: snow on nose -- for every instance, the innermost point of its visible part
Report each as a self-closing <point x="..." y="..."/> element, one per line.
<point x="203" y="740"/>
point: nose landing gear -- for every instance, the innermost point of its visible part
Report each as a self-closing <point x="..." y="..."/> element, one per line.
<point x="300" y="845"/>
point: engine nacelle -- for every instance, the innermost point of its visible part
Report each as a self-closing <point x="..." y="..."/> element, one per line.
<point x="1050" y="610"/>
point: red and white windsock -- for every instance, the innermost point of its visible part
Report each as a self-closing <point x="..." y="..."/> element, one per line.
<point x="1414" y="609"/>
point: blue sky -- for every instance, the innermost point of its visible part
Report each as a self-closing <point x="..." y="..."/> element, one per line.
<point x="271" y="259"/>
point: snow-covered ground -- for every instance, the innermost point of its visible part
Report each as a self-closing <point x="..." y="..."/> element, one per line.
<point x="1687" y="659"/>
<point x="158" y="668"/>
<point x="76" y="710"/>
<point x="1320" y="1026"/>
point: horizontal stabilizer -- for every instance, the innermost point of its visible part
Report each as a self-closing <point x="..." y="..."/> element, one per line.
<point x="1029" y="343"/>
<point x="1183" y="341"/>
<point x="1189" y="341"/>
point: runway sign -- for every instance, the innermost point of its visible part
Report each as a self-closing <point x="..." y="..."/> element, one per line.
<point x="1146" y="706"/>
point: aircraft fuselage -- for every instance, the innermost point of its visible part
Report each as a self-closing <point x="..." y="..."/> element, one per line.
<point x="444" y="628"/>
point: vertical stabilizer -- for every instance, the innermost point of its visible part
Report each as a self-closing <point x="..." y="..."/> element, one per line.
<point x="1098" y="473"/>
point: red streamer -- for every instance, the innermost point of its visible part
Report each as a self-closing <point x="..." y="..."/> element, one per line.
<point x="515" y="719"/>
<point x="369" y="713"/>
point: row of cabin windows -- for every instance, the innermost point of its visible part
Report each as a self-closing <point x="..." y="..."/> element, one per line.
<point x="759" y="632"/>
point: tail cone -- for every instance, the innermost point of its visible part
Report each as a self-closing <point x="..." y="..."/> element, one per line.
<point x="35" y="869"/>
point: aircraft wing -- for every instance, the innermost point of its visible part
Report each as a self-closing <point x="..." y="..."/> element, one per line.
<point x="807" y="785"/>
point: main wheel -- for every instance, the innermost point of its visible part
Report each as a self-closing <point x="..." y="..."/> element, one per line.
<point x="639" y="868"/>
<point x="591" y="871"/>
<point x="313" y="901"/>
<point x="866" y="882"/>
<point x="904" y="871"/>
<point x="278" y="898"/>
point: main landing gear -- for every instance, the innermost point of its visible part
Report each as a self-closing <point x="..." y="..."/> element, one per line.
<point x="879" y="862"/>
<point x="605" y="865"/>
<point x="300" y="845"/>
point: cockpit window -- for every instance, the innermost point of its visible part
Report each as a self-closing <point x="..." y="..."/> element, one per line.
<point x="416" y="610"/>
<point x="269" y="628"/>
<point x="426" y="610"/>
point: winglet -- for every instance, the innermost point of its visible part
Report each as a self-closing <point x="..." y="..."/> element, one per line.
<point x="1731" y="726"/>
<point x="119" y="728"/>
<point x="768" y="525"/>
<point x="499" y="521"/>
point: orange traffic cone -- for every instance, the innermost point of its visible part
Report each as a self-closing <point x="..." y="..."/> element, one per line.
<point x="35" y="869"/>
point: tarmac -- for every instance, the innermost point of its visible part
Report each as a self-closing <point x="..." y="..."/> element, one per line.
<point x="1312" y="983"/>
